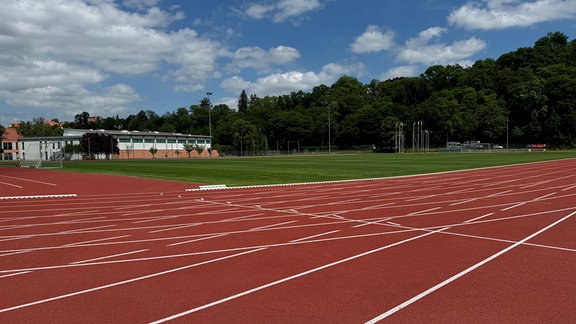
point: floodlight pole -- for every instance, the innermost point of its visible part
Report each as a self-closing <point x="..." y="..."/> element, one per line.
<point x="329" y="130"/>
<point x="507" y="126"/>
<point x="210" y="121"/>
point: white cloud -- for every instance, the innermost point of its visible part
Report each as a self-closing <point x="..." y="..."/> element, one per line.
<point x="261" y="60"/>
<point x="140" y="4"/>
<point x="500" y="14"/>
<point x="373" y="40"/>
<point x="419" y="50"/>
<point x="258" y="11"/>
<point x="282" y="10"/>
<point x="283" y="83"/>
<point x="55" y="54"/>
<point x="400" y="71"/>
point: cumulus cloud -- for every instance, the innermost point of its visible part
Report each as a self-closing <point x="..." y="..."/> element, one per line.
<point x="260" y="59"/>
<point x="424" y="49"/>
<point x="500" y="14"/>
<point x="373" y="40"/>
<point x="55" y="54"/>
<point x="282" y="10"/>
<point x="420" y="50"/>
<point x="258" y="10"/>
<point x="400" y="71"/>
<point x="283" y="83"/>
<point x="140" y="4"/>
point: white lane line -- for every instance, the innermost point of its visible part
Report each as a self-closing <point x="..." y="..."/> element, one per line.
<point x="42" y="301"/>
<point x="225" y="234"/>
<point x="315" y="236"/>
<point x="13" y="253"/>
<point x="272" y="225"/>
<point x="499" y="193"/>
<point x="569" y="188"/>
<point x="423" y="211"/>
<point x="545" y="196"/>
<point x="533" y="200"/>
<point x="153" y="219"/>
<point x="38" y="196"/>
<point x="109" y="256"/>
<point x="198" y="239"/>
<point x="174" y="228"/>
<point x="99" y="240"/>
<point x="470" y="269"/>
<point x="464" y="201"/>
<point x="76" y="221"/>
<point x="513" y="206"/>
<point x="15" y="274"/>
<point x="298" y="275"/>
<point x="10" y="184"/>
<point x="374" y="222"/>
<point x="478" y="218"/>
<point x="420" y="198"/>
<point x="28" y="180"/>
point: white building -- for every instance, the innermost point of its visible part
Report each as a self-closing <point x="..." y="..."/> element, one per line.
<point x="132" y="145"/>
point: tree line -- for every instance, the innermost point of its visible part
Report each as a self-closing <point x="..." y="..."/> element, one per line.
<point x="525" y="96"/>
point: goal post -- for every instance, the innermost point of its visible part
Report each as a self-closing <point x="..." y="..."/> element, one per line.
<point x="42" y="154"/>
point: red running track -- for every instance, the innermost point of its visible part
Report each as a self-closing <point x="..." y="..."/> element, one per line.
<point x="487" y="245"/>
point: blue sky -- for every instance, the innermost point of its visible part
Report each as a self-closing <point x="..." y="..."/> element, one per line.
<point x="59" y="58"/>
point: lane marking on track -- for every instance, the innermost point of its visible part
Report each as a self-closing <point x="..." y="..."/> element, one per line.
<point x="271" y="225"/>
<point x="465" y="201"/>
<point x="545" y="196"/>
<point x="298" y="275"/>
<point x="13" y="253"/>
<point x="225" y="234"/>
<point x="15" y="274"/>
<point x="499" y="193"/>
<point x="478" y="218"/>
<point x="110" y="256"/>
<point x="420" y="198"/>
<point x="95" y="241"/>
<point x="314" y="236"/>
<point x="79" y="221"/>
<point x="513" y="206"/>
<point x="29" y="180"/>
<point x="372" y="222"/>
<point x="153" y="219"/>
<point x="466" y="271"/>
<point x="42" y="301"/>
<point x="10" y="184"/>
<point x="198" y="239"/>
<point x="81" y="230"/>
<point x="173" y="228"/>
<point x="529" y="201"/>
<point x="403" y="229"/>
<point x="569" y="188"/>
<point x="39" y="196"/>
<point x="423" y="211"/>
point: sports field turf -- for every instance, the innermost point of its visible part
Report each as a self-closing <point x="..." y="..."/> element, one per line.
<point x="304" y="168"/>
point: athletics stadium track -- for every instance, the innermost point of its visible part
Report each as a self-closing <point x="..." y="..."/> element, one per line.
<point x="486" y="245"/>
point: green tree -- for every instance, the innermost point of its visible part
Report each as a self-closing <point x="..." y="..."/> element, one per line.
<point x="38" y="127"/>
<point x="153" y="151"/>
<point x="188" y="148"/>
<point x="199" y="149"/>
<point x="243" y="102"/>
<point x="95" y="143"/>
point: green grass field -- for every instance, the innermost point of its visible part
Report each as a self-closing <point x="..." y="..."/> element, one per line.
<point x="304" y="168"/>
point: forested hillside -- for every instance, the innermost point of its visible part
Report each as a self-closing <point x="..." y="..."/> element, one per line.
<point x="529" y="94"/>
